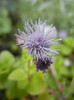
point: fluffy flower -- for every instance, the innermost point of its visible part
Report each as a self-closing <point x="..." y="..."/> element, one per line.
<point x="41" y="64"/>
<point x="36" y="40"/>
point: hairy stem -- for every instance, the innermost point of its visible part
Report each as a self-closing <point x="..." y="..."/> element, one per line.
<point x="53" y="72"/>
<point x="53" y="92"/>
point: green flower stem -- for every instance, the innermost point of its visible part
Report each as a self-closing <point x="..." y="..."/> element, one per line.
<point x="53" y="72"/>
<point x="53" y="92"/>
<point x="28" y="73"/>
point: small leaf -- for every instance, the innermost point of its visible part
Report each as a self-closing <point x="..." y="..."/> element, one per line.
<point x="18" y="75"/>
<point x="22" y="84"/>
<point x="36" y="85"/>
<point x="6" y="60"/>
<point x="25" y="56"/>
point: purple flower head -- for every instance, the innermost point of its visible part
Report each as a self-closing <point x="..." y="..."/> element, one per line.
<point x="43" y="64"/>
<point x="37" y="41"/>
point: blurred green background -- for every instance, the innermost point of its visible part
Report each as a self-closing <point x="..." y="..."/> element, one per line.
<point x="18" y="77"/>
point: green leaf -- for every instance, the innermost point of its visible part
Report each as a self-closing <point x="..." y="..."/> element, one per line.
<point x="60" y="68"/>
<point x="22" y="84"/>
<point x="21" y="63"/>
<point x="69" y="41"/>
<point x="52" y="97"/>
<point x="15" y="93"/>
<point x="17" y="75"/>
<point x="3" y="77"/>
<point x="43" y="96"/>
<point x="6" y="60"/>
<point x="32" y="69"/>
<point x="25" y="56"/>
<point x="7" y="84"/>
<point x="65" y="50"/>
<point x="36" y="85"/>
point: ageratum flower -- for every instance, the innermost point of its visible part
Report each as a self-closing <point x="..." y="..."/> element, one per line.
<point x="38" y="43"/>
